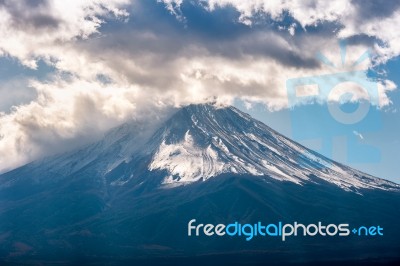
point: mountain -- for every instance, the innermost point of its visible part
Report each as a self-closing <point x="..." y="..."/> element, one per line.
<point x="131" y="195"/>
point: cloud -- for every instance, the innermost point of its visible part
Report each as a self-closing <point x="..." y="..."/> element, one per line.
<point x="358" y="134"/>
<point x="129" y="59"/>
<point x="31" y="29"/>
<point x="173" y="7"/>
<point x="15" y="92"/>
<point x="69" y="113"/>
<point x="371" y="18"/>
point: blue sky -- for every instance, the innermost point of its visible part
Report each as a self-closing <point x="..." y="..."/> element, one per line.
<point x="376" y="153"/>
<point x="372" y="145"/>
<point x="70" y="71"/>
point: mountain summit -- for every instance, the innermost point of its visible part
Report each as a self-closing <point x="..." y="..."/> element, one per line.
<point x="203" y="141"/>
<point x="196" y="143"/>
<point x="131" y="195"/>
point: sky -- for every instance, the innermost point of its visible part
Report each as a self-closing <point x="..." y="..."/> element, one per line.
<point x="321" y="72"/>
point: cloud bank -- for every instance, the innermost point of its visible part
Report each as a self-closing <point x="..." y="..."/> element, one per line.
<point x="122" y="60"/>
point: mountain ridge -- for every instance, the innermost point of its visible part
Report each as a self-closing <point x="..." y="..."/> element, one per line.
<point x="199" y="142"/>
<point x="250" y="135"/>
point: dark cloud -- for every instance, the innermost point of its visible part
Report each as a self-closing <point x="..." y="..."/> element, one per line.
<point x="368" y="9"/>
<point x="155" y="44"/>
<point x="31" y="15"/>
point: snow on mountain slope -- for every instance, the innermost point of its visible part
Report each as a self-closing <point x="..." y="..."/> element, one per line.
<point x="196" y="143"/>
<point x="119" y="145"/>
<point x="178" y="158"/>
<point x="204" y="141"/>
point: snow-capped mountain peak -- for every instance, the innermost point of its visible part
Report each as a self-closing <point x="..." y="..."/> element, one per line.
<point x="196" y="143"/>
<point x="203" y="141"/>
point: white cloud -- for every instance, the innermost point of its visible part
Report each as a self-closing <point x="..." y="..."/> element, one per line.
<point x="173" y="7"/>
<point x="385" y="29"/>
<point x="31" y="31"/>
<point x="67" y="114"/>
<point x="306" y="12"/>
<point x="312" y="12"/>
<point x="15" y="92"/>
<point x="358" y="134"/>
